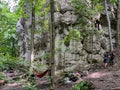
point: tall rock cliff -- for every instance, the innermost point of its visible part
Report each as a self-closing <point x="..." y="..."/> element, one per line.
<point x="88" y="49"/>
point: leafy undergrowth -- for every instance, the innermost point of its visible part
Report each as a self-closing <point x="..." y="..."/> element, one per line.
<point x="14" y="73"/>
<point x="83" y="85"/>
<point x="14" y="76"/>
<point x="104" y="79"/>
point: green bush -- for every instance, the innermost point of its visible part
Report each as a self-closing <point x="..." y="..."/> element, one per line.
<point x="83" y="85"/>
<point x="7" y="62"/>
<point x="29" y="86"/>
<point x="2" y="77"/>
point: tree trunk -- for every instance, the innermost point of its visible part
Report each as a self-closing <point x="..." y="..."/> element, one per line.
<point x="32" y="36"/>
<point x="109" y="27"/>
<point x="118" y="23"/>
<point x="52" y="44"/>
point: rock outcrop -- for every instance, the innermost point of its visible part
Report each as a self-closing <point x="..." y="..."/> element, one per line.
<point x="78" y="54"/>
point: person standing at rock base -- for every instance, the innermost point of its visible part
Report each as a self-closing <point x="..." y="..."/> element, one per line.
<point x="106" y="59"/>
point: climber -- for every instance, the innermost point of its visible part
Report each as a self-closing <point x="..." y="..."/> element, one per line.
<point x="106" y="59"/>
<point x="97" y="23"/>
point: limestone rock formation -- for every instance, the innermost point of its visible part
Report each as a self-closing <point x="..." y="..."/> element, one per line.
<point x="87" y="49"/>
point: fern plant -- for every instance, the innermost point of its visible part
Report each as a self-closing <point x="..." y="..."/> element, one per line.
<point x="83" y="85"/>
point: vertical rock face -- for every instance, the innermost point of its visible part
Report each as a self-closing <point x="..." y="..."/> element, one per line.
<point x="23" y="29"/>
<point x="78" y="53"/>
<point x="21" y="35"/>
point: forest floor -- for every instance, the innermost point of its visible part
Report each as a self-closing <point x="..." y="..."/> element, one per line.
<point x="103" y="79"/>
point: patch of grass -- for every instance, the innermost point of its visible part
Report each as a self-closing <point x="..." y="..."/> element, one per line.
<point x="83" y="85"/>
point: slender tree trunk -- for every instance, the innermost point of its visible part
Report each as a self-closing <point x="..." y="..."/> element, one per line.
<point x="32" y="36"/>
<point x="32" y="31"/>
<point x="118" y="23"/>
<point x="109" y="27"/>
<point x="52" y="44"/>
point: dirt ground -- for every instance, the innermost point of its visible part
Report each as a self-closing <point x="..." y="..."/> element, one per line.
<point x="103" y="79"/>
<point x="107" y="79"/>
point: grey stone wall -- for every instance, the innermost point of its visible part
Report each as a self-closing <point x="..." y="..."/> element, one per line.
<point x="79" y="54"/>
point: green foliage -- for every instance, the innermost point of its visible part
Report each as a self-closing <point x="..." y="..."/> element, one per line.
<point x="95" y="1"/>
<point x="29" y="86"/>
<point x="18" y="10"/>
<point x="42" y="8"/>
<point x="59" y="46"/>
<point x="86" y="10"/>
<point x="23" y="63"/>
<point x="2" y="77"/>
<point x="7" y="62"/>
<point x="80" y="9"/>
<point x="41" y="12"/>
<point x="45" y="56"/>
<point x="83" y="85"/>
<point x="67" y="41"/>
<point x="11" y="63"/>
<point x="8" y="39"/>
<point x="74" y="34"/>
<point x="113" y="1"/>
<point x="39" y="67"/>
<point x="98" y="7"/>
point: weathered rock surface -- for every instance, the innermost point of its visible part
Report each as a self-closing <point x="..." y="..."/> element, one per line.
<point x="89" y="48"/>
